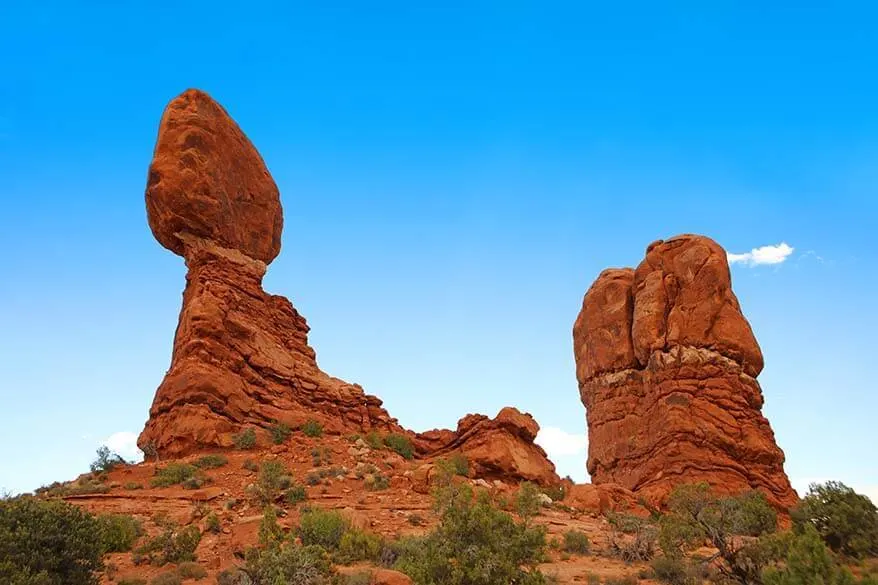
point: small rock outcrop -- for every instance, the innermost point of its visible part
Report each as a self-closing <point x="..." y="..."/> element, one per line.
<point x="241" y="356"/>
<point x="499" y="448"/>
<point x="667" y="367"/>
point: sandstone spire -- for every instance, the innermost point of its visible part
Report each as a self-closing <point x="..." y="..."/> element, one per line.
<point x="241" y="357"/>
<point x="667" y="367"/>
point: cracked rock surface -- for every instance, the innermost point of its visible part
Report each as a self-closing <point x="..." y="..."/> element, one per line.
<point x="667" y="367"/>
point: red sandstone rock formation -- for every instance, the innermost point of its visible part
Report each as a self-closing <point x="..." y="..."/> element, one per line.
<point x="498" y="448"/>
<point x="667" y="368"/>
<point x="241" y="357"/>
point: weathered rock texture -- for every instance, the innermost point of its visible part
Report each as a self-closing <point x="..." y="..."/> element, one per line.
<point x="498" y="448"/>
<point x="241" y="357"/>
<point x="667" y="366"/>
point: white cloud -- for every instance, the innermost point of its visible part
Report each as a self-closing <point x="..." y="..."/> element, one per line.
<point x="125" y="444"/>
<point x="560" y="443"/>
<point x="763" y="255"/>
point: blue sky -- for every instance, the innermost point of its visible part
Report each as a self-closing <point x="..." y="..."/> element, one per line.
<point x="453" y="179"/>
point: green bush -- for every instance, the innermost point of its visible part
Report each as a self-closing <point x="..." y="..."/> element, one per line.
<point x="133" y="485"/>
<point x="312" y="428"/>
<point x="474" y="544"/>
<point x="374" y="440"/>
<point x="106" y="460"/>
<point x="673" y="570"/>
<point x="250" y="465"/>
<point x="322" y="527"/>
<point x="246" y="439"/>
<point x="172" y="474"/>
<point x="280" y="432"/>
<point x="212" y="523"/>
<point x="211" y="461"/>
<point x="287" y="564"/>
<point x="273" y="478"/>
<point x="295" y="494"/>
<point x="48" y="543"/>
<point x="190" y="570"/>
<point x="807" y="561"/>
<point x="696" y="515"/>
<point x="845" y="520"/>
<point x="527" y="501"/>
<point x="401" y="444"/>
<point x="575" y="542"/>
<point x="171" y="546"/>
<point x="357" y="545"/>
<point x="170" y="578"/>
<point x="270" y="532"/>
<point x="119" y="532"/>
<point x="376" y="482"/>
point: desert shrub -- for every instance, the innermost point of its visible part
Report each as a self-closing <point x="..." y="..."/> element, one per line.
<point x="312" y="478"/>
<point x="280" y="432"/>
<point x="374" y="440"/>
<point x="287" y="564"/>
<point x="212" y="523"/>
<point x="169" y="578"/>
<point x="273" y="478"/>
<point x="416" y="519"/>
<point x="401" y="444"/>
<point x="84" y="485"/>
<point x="673" y="570"/>
<point x="730" y="524"/>
<point x="377" y="482"/>
<point x="270" y="532"/>
<point x="246" y="439"/>
<point x="171" y="546"/>
<point x="190" y="570"/>
<point x="211" y="461"/>
<point x="233" y="577"/>
<point x="320" y="456"/>
<point x="106" y="460"/>
<point x="172" y="474"/>
<point x="250" y="465"/>
<point x="845" y="520"/>
<point x="295" y="494"/>
<point x="556" y="492"/>
<point x="357" y="545"/>
<point x="474" y="544"/>
<point x="196" y="482"/>
<point x="322" y="527"/>
<point x="119" y="532"/>
<point x="48" y="543"/>
<point x="806" y="561"/>
<point x="592" y="578"/>
<point x="459" y="464"/>
<point x="312" y="428"/>
<point x="133" y="485"/>
<point x="576" y="542"/>
<point x="527" y="501"/>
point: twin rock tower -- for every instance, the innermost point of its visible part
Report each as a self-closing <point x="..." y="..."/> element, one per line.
<point x="666" y="362"/>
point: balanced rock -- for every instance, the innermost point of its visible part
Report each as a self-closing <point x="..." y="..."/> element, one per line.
<point x="208" y="181"/>
<point x="667" y="367"/>
<point x="241" y="357"/>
